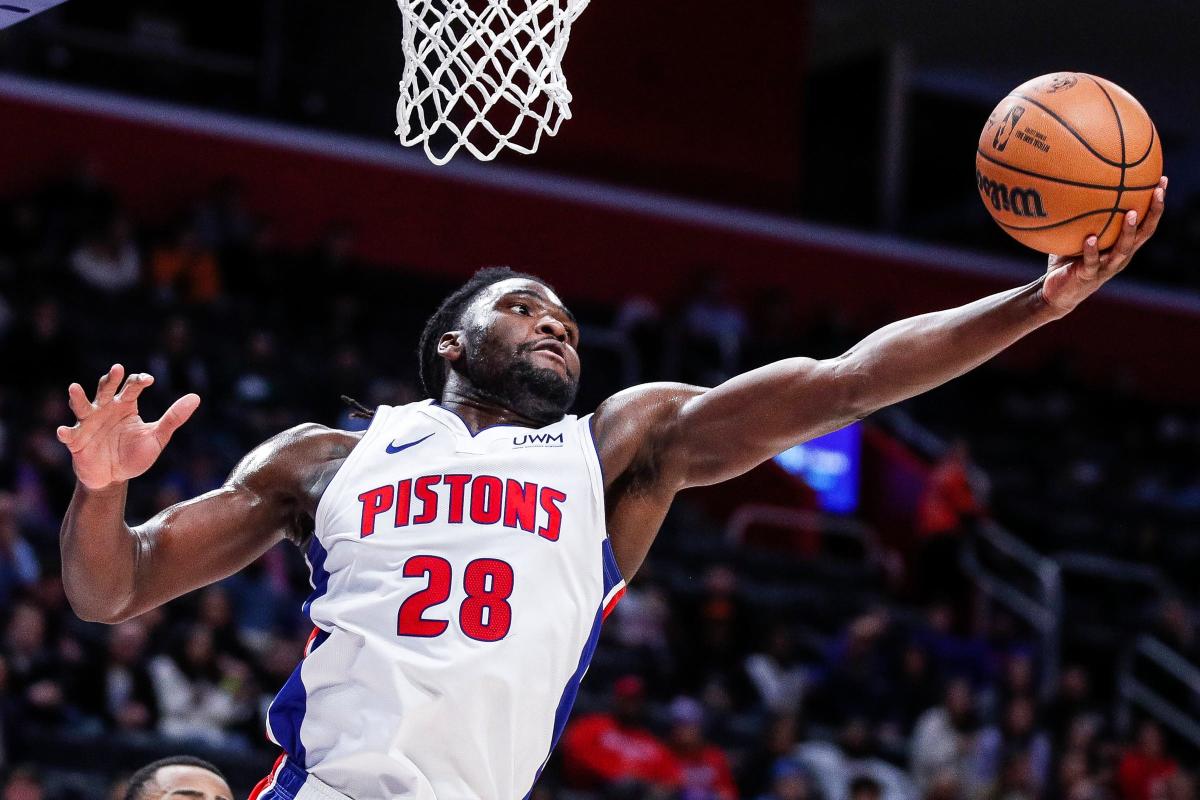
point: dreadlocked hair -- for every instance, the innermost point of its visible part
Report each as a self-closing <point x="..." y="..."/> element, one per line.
<point x="434" y="370"/>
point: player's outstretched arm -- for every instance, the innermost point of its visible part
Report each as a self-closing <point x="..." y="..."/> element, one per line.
<point x="687" y="436"/>
<point x="112" y="571"/>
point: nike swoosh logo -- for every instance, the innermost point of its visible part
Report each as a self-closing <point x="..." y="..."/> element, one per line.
<point x="394" y="448"/>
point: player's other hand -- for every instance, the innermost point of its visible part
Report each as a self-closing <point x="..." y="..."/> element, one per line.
<point x="1070" y="279"/>
<point x="110" y="443"/>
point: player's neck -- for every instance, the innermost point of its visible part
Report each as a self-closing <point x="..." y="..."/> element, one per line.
<point x="478" y="411"/>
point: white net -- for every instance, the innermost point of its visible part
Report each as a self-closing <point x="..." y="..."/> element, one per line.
<point x="484" y="75"/>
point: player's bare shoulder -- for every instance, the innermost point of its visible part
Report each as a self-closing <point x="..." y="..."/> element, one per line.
<point x="296" y="465"/>
<point x="632" y="426"/>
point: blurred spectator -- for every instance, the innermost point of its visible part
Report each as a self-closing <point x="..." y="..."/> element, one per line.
<point x="955" y="653"/>
<point x="197" y="698"/>
<point x="19" y="567"/>
<point x="122" y="691"/>
<point x="23" y="783"/>
<point x="712" y="637"/>
<point x="946" y="737"/>
<point x="714" y="329"/>
<point x="790" y="781"/>
<point x="1016" y="733"/>
<point x="1016" y="779"/>
<point x="176" y="365"/>
<point x="34" y="669"/>
<point x="757" y="772"/>
<point x="864" y="787"/>
<point x="108" y="260"/>
<point x="852" y="769"/>
<point x="918" y="688"/>
<point x="601" y="749"/>
<point x="858" y="677"/>
<point x="1071" y="701"/>
<point x="705" y="768"/>
<point x="1145" y="767"/>
<point x="947" y="506"/>
<point x="776" y="673"/>
<point x="216" y="615"/>
<point x="184" y="267"/>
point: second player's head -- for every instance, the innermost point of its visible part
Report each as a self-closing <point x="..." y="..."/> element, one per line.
<point x="506" y="338"/>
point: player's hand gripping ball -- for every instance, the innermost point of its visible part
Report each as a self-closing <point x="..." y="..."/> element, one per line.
<point x="1065" y="156"/>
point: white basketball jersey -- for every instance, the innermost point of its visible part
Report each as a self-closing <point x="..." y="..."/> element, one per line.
<point x="459" y="585"/>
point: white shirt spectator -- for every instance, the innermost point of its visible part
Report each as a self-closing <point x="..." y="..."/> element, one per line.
<point x="191" y="709"/>
<point x="834" y="771"/>
<point x="111" y="267"/>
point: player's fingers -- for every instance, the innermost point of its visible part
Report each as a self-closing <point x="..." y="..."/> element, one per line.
<point x="81" y="407"/>
<point x="179" y="412"/>
<point x="1150" y="223"/>
<point x="65" y="434"/>
<point x="109" y="382"/>
<point x="1123" y="249"/>
<point x="1089" y="267"/>
<point x="136" y="384"/>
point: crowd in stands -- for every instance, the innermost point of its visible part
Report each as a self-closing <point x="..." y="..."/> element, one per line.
<point x="701" y="690"/>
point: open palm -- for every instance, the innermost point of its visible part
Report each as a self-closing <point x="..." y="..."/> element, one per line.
<point x="110" y="442"/>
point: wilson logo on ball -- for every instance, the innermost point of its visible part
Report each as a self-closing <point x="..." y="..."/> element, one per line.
<point x="1000" y="140"/>
<point x="1017" y="200"/>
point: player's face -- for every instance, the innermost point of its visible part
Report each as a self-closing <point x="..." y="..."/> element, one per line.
<point x="182" y="782"/>
<point x="521" y="348"/>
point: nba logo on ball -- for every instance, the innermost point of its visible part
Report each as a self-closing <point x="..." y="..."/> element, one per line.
<point x="1000" y="141"/>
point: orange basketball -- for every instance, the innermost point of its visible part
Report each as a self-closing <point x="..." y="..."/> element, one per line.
<point x="1064" y="156"/>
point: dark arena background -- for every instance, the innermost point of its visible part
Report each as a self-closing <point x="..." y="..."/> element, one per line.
<point x="986" y="592"/>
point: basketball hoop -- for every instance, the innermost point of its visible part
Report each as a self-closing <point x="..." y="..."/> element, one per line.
<point x="484" y="75"/>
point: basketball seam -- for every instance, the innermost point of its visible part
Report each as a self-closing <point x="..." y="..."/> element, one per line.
<point x="1121" y="132"/>
<point x="1072" y="131"/>
<point x="1149" y="147"/>
<point x="1080" y="184"/>
<point x="1076" y="218"/>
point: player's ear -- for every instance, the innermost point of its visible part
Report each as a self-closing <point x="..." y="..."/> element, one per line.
<point x="450" y="346"/>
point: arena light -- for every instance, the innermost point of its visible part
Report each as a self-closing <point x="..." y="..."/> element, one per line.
<point x="21" y="10"/>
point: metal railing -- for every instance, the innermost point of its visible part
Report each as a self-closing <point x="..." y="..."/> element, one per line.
<point x="1112" y="569"/>
<point x="1041" y="608"/>
<point x="1133" y="691"/>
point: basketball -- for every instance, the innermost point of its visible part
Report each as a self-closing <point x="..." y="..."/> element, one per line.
<point x="1064" y="156"/>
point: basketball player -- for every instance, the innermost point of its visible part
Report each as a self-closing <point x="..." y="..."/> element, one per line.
<point x="178" y="778"/>
<point x="465" y="549"/>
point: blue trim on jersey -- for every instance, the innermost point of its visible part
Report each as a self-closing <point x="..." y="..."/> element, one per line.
<point x="289" y="780"/>
<point x="596" y="446"/>
<point x="612" y="573"/>
<point x="320" y="577"/>
<point x="287" y="710"/>
<point x="612" y="576"/>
